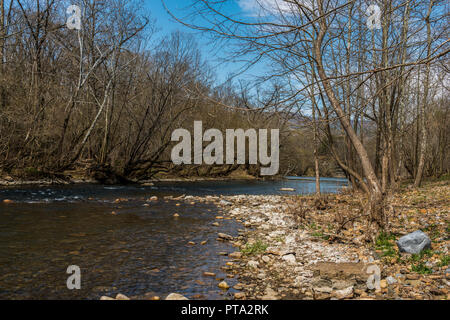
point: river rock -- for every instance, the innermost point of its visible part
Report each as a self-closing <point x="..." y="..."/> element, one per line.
<point x="225" y="236"/>
<point x="122" y="297"/>
<point x="235" y="255"/>
<point x="106" y="298"/>
<point x="239" y="295"/>
<point x="223" y="285"/>
<point x="253" y="264"/>
<point x="176" y="296"/>
<point x="414" y="242"/>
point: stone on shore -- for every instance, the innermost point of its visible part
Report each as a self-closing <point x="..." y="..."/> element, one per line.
<point x="239" y="295"/>
<point x="344" y="293"/>
<point x="290" y="258"/>
<point x="225" y="203"/>
<point x="176" y="296"/>
<point x="414" y="242"/>
<point x="122" y="297"/>
<point x="106" y="298"/>
<point x="235" y="255"/>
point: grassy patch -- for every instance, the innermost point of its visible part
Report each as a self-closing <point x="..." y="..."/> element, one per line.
<point x="445" y="260"/>
<point x="320" y="234"/>
<point x="254" y="248"/>
<point x="418" y="263"/>
<point x="421" y="268"/>
<point x="385" y="243"/>
<point x="433" y="231"/>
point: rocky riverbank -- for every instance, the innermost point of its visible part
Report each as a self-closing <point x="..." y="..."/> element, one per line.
<point x="301" y="248"/>
<point x="295" y="247"/>
<point x="298" y="247"/>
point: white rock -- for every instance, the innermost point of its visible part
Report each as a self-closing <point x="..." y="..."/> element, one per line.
<point x="344" y="293"/>
<point x="290" y="258"/>
<point x="253" y="264"/>
<point x="225" y="203"/>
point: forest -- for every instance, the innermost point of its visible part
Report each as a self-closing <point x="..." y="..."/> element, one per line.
<point x="368" y="103"/>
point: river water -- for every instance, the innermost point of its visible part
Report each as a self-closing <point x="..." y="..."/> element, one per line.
<point x="121" y="247"/>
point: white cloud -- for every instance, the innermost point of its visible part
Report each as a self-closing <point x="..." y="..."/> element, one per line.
<point x="266" y="7"/>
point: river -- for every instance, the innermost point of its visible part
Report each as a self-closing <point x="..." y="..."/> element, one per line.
<point x="134" y="247"/>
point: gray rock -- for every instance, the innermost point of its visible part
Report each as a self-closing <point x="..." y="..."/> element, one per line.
<point x="414" y="242"/>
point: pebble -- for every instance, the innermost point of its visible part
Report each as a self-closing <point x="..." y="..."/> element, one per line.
<point x="239" y="295"/>
<point x="225" y="236"/>
<point x="235" y="255"/>
<point x="176" y="296"/>
<point x="122" y="297"/>
<point x="290" y="258"/>
<point x="223" y="285"/>
<point x="344" y="293"/>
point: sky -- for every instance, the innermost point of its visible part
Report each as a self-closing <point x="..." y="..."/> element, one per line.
<point x="166" y="24"/>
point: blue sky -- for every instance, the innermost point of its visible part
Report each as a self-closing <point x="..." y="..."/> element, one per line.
<point x="166" y="24"/>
